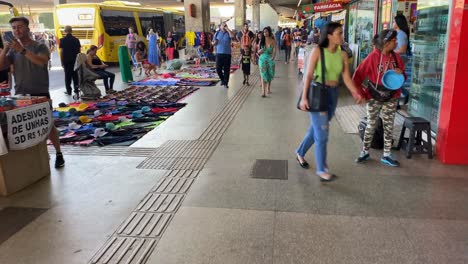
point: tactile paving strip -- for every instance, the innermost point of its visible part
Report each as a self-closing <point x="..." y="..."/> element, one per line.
<point x="149" y="225"/>
<point x="160" y="203"/>
<point x="137" y="237"/>
<point x="104" y="151"/>
<point x="173" y="185"/>
<point x="221" y="122"/>
<point x="125" y="250"/>
<point x="182" y="173"/>
<point x="184" y="148"/>
<point x="180" y="155"/>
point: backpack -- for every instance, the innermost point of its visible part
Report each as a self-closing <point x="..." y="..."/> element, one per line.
<point x="245" y="40"/>
<point x="378" y="138"/>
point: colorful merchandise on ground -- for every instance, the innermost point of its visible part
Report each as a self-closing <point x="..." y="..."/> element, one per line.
<point x="120" y="118"/>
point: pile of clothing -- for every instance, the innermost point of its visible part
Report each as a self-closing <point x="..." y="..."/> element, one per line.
<point x="152" y="94"/>
<point x="189" y="76"/>
<point x="120" y="118"/>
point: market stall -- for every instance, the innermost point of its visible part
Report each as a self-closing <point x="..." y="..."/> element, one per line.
<point x="26" y="123"/>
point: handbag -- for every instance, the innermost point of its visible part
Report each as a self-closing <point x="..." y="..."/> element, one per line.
<point x="318" y="92"/>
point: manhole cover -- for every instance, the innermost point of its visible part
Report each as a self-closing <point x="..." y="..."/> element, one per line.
<point x="270" y="169"/>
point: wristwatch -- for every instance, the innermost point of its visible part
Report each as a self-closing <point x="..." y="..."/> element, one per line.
<point x="23" y="51"/>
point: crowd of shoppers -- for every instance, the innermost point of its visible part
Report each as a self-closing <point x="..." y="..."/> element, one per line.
<point x="30" y="60"/>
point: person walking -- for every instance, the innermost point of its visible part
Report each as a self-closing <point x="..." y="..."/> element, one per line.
<point x="380" y="101"/>
<point x="255" y="47"/>
<point x="266" y="61"/>
<point x="245" y="37"/>
<point x="223" y="54"/>
<point x="130" y="41"/>
<point x="287" y="39"/>
<point x="153" y="50"/>
<point x="278" y="38"/>
<point x="245" y="62"/>
<point x="170" y="46"/>
<point x="30" y="60"/>
<point x="336" y="63"/>
<point x="69" y="47"/>
<point x="296" y="35"/>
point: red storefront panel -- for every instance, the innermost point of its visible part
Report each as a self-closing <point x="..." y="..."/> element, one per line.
<point x="452" y="135"/>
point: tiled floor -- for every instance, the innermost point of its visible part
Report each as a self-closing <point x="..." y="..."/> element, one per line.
<point x="372" y="214"/>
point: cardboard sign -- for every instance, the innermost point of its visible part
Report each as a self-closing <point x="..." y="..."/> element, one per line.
<point x="330" y="6"/>
<point x="28" y="126"/>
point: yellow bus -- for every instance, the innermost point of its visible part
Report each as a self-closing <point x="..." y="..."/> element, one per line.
<point x="106" y="24"/>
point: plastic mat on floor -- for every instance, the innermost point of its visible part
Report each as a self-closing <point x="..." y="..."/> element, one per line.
<point x="348" y="118"/>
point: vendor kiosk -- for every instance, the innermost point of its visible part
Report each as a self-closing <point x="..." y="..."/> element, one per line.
<point x="24" y="157"/>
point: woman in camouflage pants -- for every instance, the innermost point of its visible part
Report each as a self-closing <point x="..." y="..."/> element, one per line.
<point x="380" y="101"/>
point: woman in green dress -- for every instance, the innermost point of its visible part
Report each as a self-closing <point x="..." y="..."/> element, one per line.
<point x="266" y="62"/>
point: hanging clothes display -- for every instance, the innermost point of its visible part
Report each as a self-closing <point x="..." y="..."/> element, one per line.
<point x="190" y="36"/>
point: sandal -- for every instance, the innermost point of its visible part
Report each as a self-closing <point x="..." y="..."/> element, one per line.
<point x="303" y="164"/>
<point x="332" y="178"/>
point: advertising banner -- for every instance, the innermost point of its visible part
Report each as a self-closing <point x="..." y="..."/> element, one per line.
<point x="330" y="6"/>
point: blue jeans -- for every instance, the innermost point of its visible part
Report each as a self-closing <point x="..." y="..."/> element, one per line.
<point x="318" y="132"/>
<point x="132" y="54"/>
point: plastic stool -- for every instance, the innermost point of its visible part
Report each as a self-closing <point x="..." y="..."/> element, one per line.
<point x="415" y="143"/>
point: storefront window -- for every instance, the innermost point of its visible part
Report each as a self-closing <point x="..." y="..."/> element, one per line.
<point x="429" y="43"/>
<point x="364" y="27"/>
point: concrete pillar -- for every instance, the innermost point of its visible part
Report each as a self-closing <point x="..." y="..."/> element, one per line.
<point x="239" y="14"/>
<point x="256" y="15"/>
<point x="201" y="21"/>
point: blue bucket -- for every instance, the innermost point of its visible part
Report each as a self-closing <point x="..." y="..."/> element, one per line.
<point x="393" y="80"/>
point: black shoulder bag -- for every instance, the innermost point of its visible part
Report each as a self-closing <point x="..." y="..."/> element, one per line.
<point x="318" y="92"/>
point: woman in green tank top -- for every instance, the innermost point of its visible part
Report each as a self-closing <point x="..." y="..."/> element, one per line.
<point x="336" y="65"/>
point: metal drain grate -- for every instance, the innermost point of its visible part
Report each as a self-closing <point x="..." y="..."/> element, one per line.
<point x="270" y="169"/>
<point x="126" y="250"/>
<point x="160" y="203"/>
<point x="144" y="225"/>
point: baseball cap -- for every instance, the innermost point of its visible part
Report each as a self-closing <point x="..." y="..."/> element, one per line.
<point x="99" y="132"/>
<point x="84" y="119"/>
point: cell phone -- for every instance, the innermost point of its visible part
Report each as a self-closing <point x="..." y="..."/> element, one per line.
<point x="8" y="36"/>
